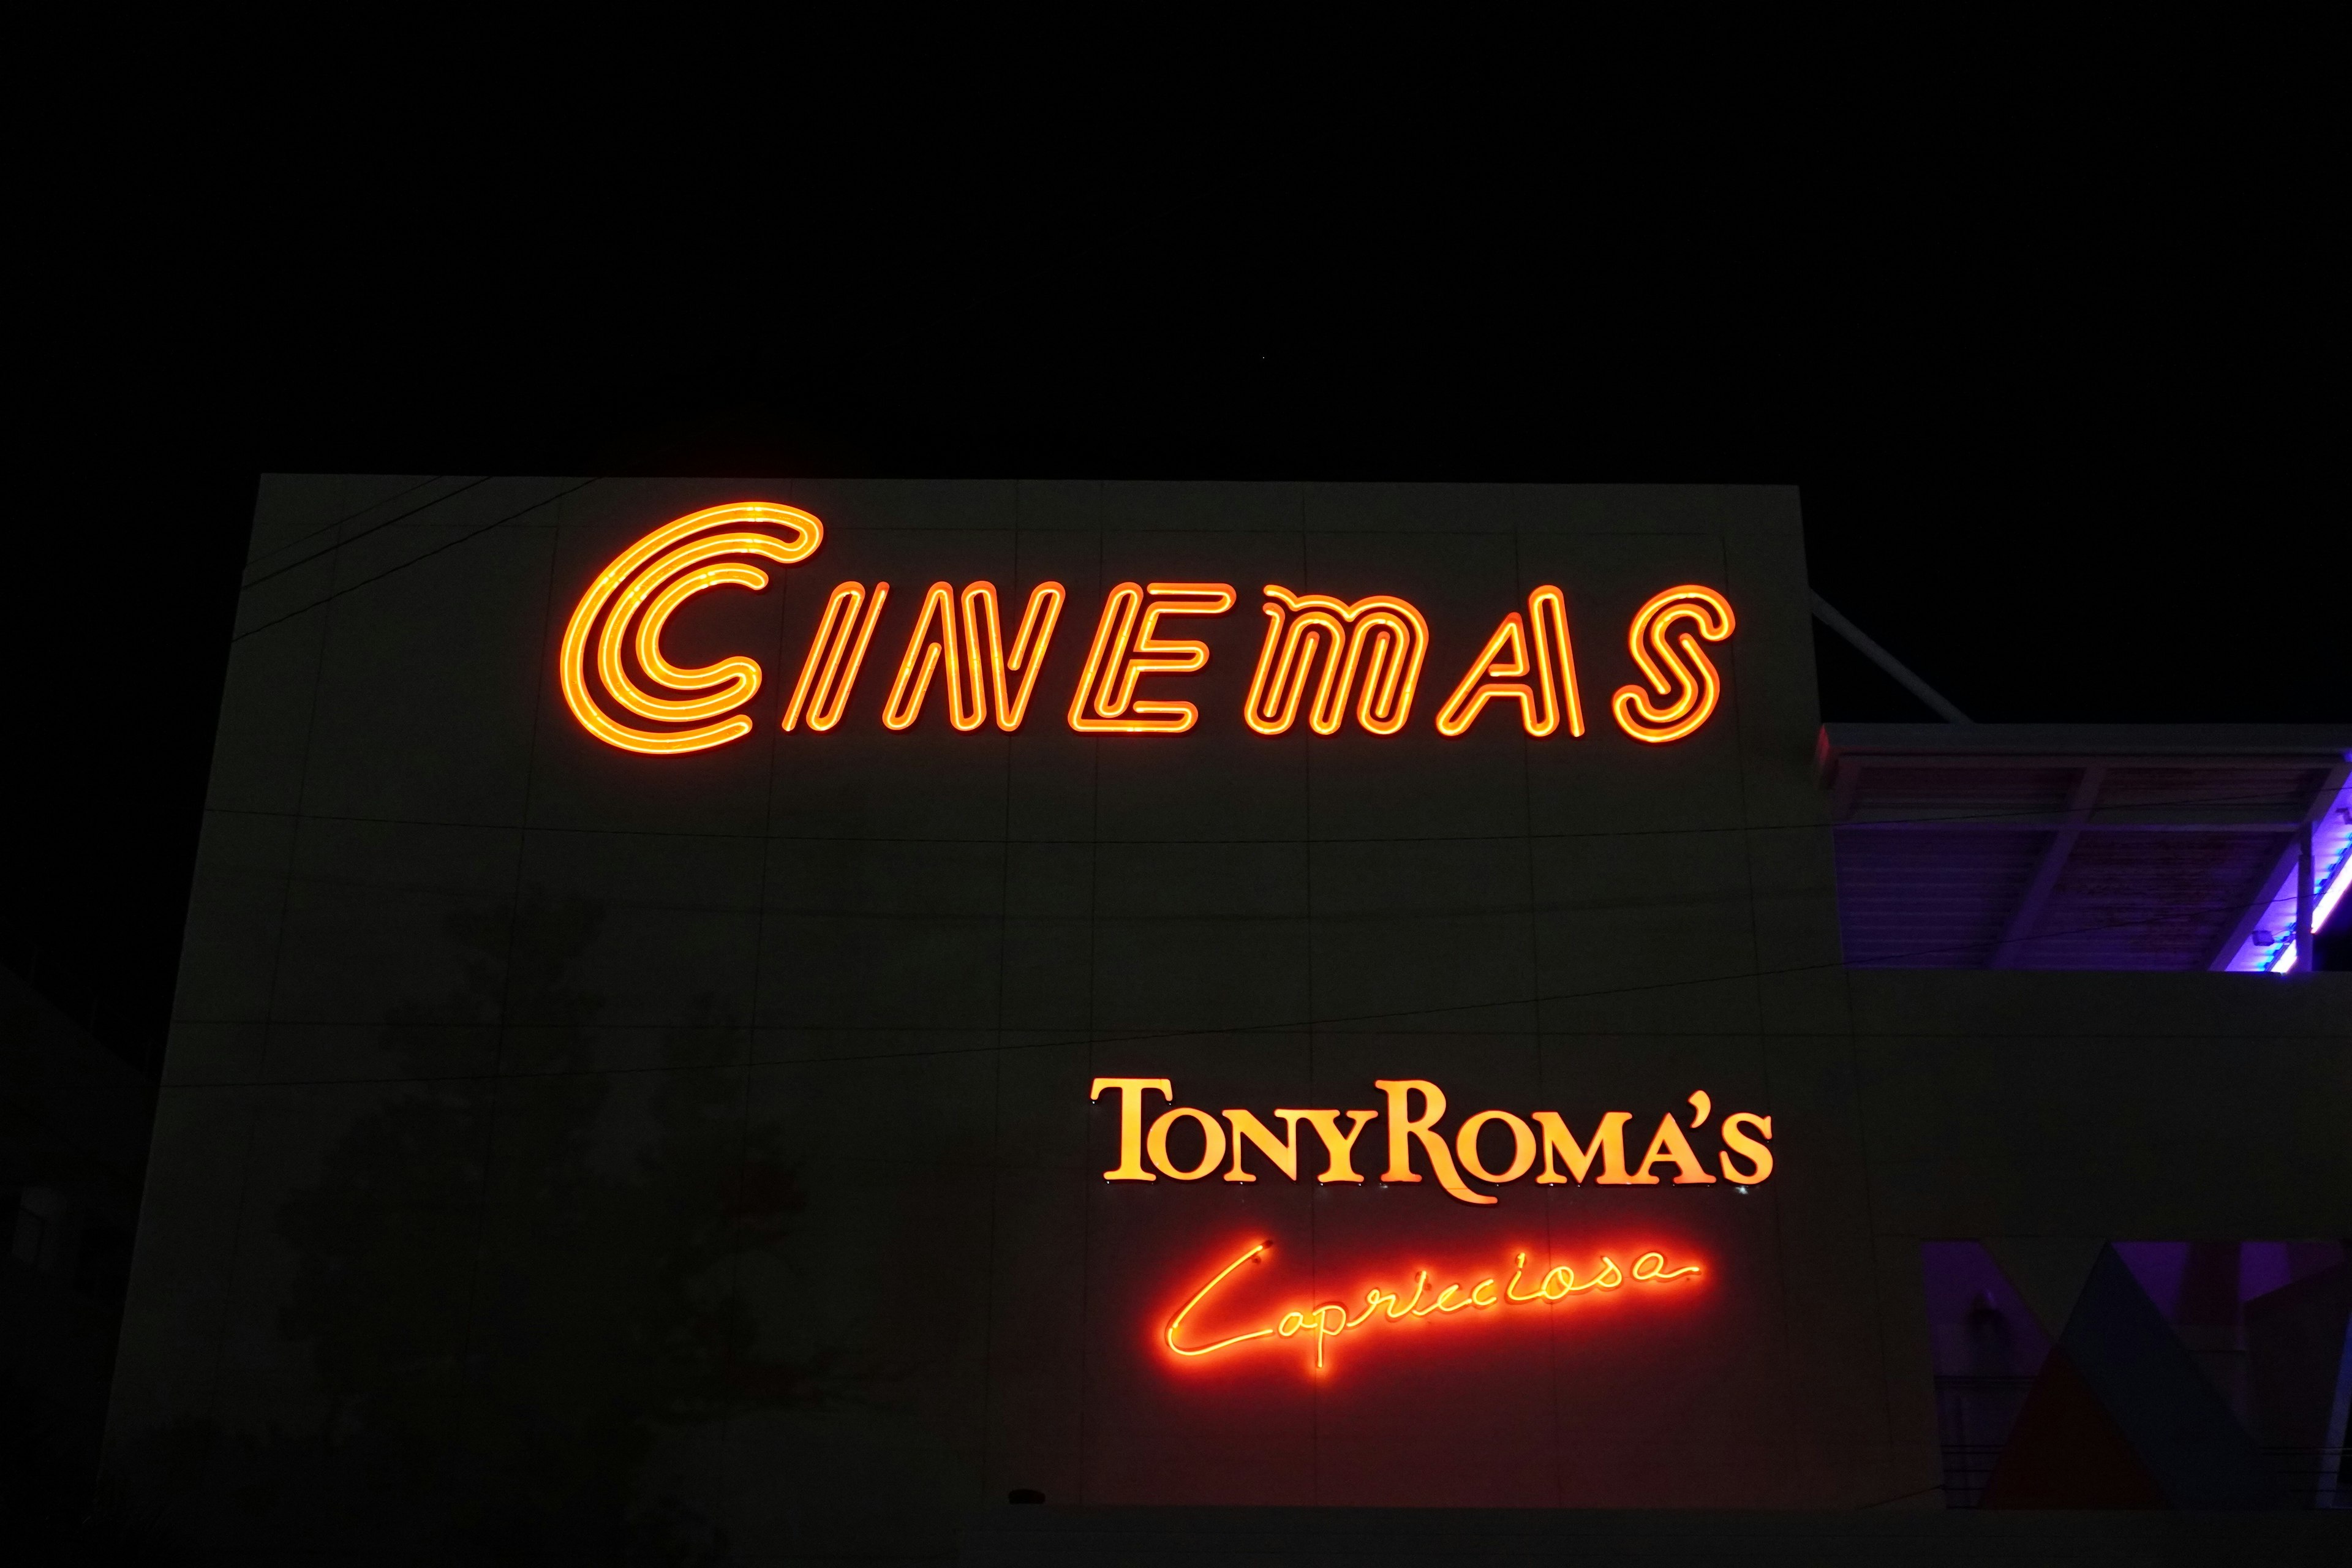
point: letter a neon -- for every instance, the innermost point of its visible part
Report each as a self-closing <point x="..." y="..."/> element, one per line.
<point x="1500" y="673"/>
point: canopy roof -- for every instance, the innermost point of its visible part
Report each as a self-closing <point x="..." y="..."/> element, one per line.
<point x="2085" y="846"/>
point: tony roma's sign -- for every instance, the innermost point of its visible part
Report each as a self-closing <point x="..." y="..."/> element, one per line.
<point x="1321" y="654"/>
<point x="1745" y="1159"/>
<point x="1230" y="1142"/>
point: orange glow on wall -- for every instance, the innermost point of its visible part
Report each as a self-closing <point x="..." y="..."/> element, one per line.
<point x="834" y="657"/>
<point x="1327" y="1320"/>
<point x="632" y="600"/>
<point x="976" y="663"/>
<point x="1500" y="672"/>
<point x="1684" y="678"/>
<point x="1126" y="649"/>
<point x="1382" y="638"/>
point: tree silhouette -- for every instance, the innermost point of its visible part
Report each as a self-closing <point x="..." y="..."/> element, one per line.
<point x="513" y="1289"/>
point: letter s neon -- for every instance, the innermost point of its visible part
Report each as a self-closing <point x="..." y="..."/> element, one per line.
<point x="1684" y="678"/>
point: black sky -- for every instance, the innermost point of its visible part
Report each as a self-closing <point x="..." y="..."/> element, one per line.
<point x="2060" y="425"/>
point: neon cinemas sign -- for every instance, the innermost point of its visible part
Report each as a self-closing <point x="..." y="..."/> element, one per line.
<point x="1412" y="1111"/>
<point x="1323" y="658"/>
<point x="1322" y="1321"/>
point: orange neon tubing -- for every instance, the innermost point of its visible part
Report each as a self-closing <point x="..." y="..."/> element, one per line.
<point x="1329" y="1320"/>
<point x="1125" y="650"/>
<point x="976" y="670"/>
<point x="741" y="676"/>
<point x="835" y="656"/>
<point x="1302" y="628"/>
<point x="1029" y="644"/>
<point x="1498" y="673"/>
<point x="1185" y="1311"/>
<point x="646" y="571"/>
<point x="1109" y="648"/>
<point x="966" y="699"/>
<point x="1673" y="664"/>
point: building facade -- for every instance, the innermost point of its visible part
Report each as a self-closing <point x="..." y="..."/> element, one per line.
<point x="1307" y="997"/>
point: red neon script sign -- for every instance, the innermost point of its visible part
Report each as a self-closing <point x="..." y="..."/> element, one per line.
<point x="1327" y="1320"/>
<point x="1319" y="651"/>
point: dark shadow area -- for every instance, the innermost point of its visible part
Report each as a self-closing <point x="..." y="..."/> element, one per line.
<point x="509" y="1294"/>
<point x="73" y="1143"/>
<point x="106" y="823"/>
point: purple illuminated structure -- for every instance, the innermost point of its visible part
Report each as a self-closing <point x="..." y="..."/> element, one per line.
<point x="2272" y="948"/>
<point x="2088" y="847"/>
<point x="2134" y="1374"/>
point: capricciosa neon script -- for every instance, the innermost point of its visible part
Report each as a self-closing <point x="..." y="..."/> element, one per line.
<point x="1320" y="1322"/>
<point x="1331" y="658"/>
<point x="1412" y="1109"/>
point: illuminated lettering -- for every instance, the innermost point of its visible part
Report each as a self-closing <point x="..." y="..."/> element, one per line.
<point x="1686" y="680"/>
<point x="1541" y="1142"/>
<point x="1735" y="1134"/>
<point x="1131" y="1091"/>
<point x="984" y="631"/>
<point x="1559" y="1284"/>
<point x="646" y="584"/>
<point x="1608" y="1141"/>
<point x="834" y="657"/>
<point x="931" y="644"/>
<point x="1320" y="653"/>
<point x="1339" y="1146"/>
<point x="975" y="665"/>
<point x="1673" y="1147"/>
<point x="1499" y="673"/>
<point x="1212" y="1140"/>
<point x="1126" y="649"/>
<point x="1523" y="1146"/>
<point x="1249" y="1128"/>
<point x="1382" y="638"/>
<point x="1328" y="1321"/>
<point x="1185" y="1311"/>
<point x="1404" y="1127"/>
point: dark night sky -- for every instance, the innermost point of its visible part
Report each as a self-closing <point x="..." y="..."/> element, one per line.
<point x="2056" y="436"/>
